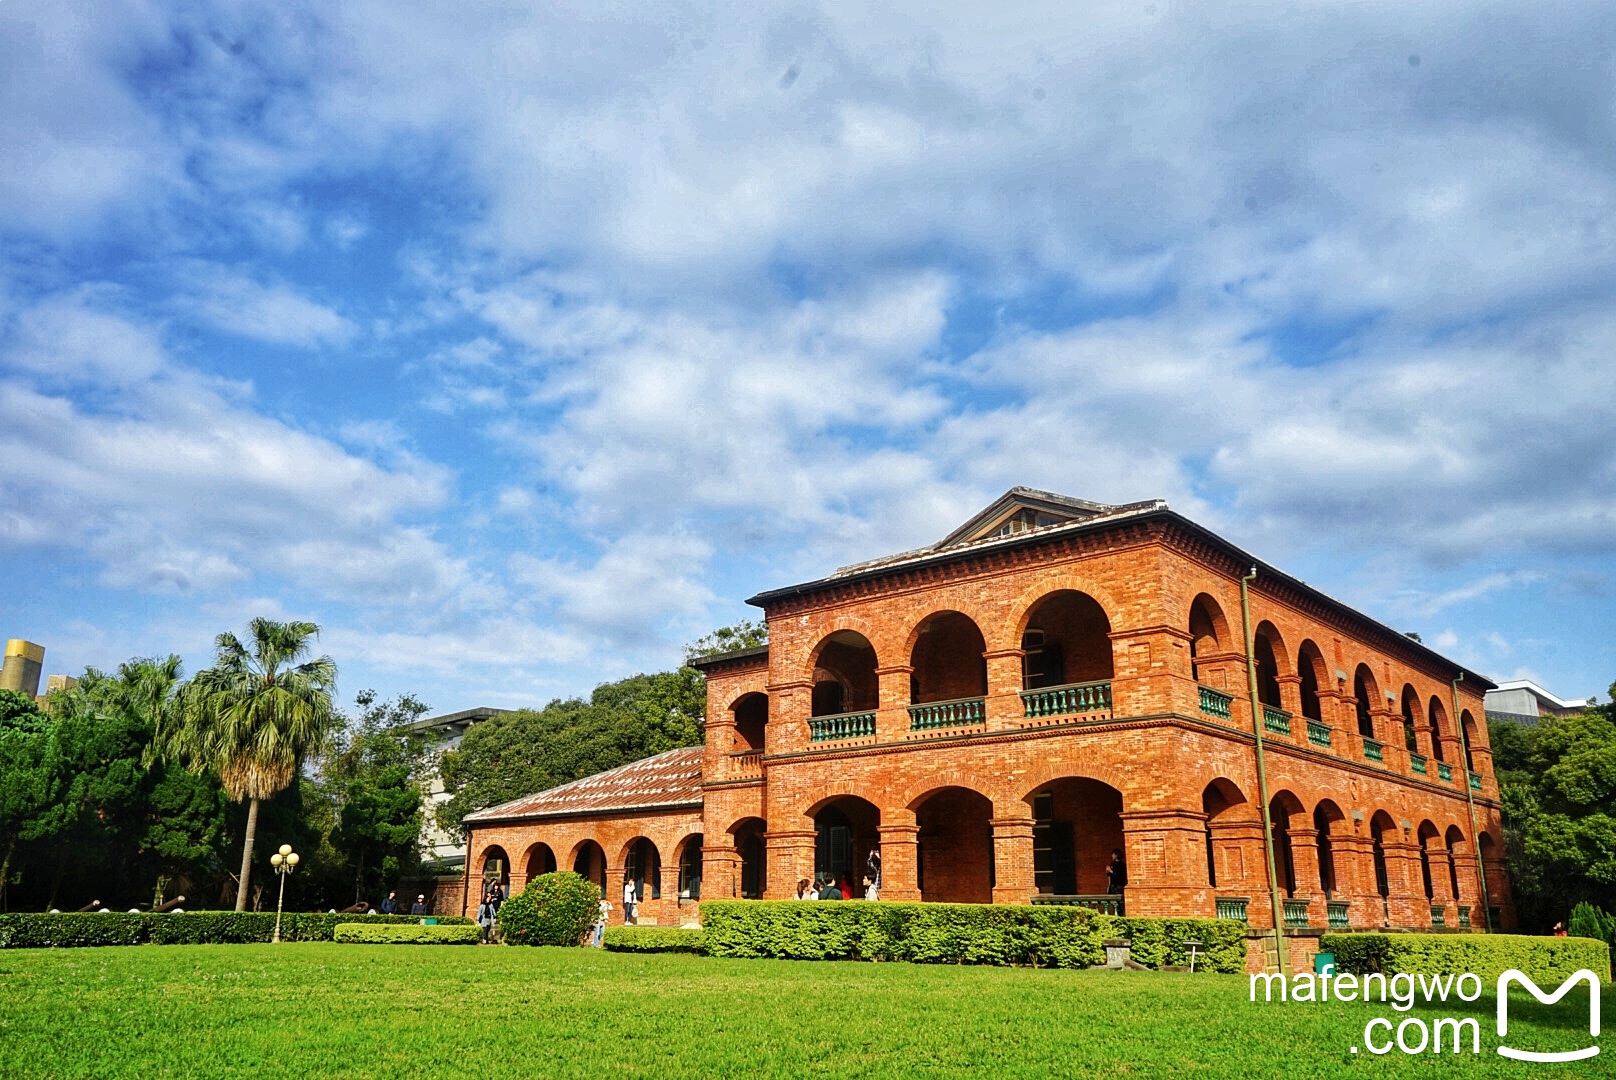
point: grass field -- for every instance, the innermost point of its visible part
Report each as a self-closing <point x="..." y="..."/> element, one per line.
<point x="425" y="1012"/>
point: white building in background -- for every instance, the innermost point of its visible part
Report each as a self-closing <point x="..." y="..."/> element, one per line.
<point x="450" y="729"/>
<point x="1525" y="702"/>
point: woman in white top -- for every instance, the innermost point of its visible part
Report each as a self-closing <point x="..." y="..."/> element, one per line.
<point x="631" y="903"/>
<point x="604" y="913"/>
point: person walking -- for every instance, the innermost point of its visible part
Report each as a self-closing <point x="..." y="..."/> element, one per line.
<point x="485" y="917"/>
<point x="631" y="903"/>
<point x="602" y="913"/>
<point x="390" y="905"/>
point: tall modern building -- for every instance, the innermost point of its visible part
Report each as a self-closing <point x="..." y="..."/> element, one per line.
<point x="20" y="672"/>
<point x="1525" y="702"/>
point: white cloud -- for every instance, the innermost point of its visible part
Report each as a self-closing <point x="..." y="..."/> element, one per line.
<point x="273" y="313"/>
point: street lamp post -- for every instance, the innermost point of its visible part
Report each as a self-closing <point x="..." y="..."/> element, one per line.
<point x="283" y="861"/>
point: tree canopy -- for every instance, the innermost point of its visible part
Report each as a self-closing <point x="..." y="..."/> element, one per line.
<point x="530" y="750"/>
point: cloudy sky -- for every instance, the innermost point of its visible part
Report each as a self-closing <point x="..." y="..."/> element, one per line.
<point x="516" y="344"/>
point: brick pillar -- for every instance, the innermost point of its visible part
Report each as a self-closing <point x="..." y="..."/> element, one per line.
<point x="1305" y="863"/>
<point x="1498" y="892"/>
<point x="1355" y="877"/>
<point x="790" y="855"/>
<point x="1468" y="869"/>
<point x="900" y="855"/>
<point x="1426" y="742"/>
<point x="1166" y="855"/>
<point x="790" y="704"/>
<point x="1004" y="707"/>
<point x="1388" y="728"/>
<point x="1290" y="695"/>
<point x="892" y="703"/>
<point x="1406" y="902"/>
<point x="1237" y="848"/>
<point x="1012" y="860"/>
<point x="720" y="869"/>
<point x="1441" y="886"/>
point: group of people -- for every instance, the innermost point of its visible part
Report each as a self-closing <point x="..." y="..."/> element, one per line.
<point x="830" y="887"/>
<point x="488" y="909"/>
<point x="394" y="906"/>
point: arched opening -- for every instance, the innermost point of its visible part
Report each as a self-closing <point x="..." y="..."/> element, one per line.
<point x="947" y="660"/>
<point x="1077" y="825"/>
<point x="540" y="860"/>
<point x="1455" y="839"/>
<point x="1266" y="651"/>
<point x="1310" y="665"/>
<point x="1380" y="827"/>
<point x="1208" y="632"/>
<point x="1326" y="817"/>
<point x="1428" y="835"/>
<point x="844" y="675"/>
<point x="1467" y="733"/>
<point x="753" y="851"/>
<point x="1281" y="810"/>
<point x="1411" y="709"/>
<point x="1437" y="716"/>
<point x="496" y="869"/>
<point x="845" y="833"/>
<point x="690" y="868"/>
<point x="1364" y="689"/>
<point x="956" y="846"/>
<point x="1067" y="640"/>
<point x="751" y="716"/>
<point x="642" y="869"/>
<point x="1223" y="802"/>
<point x="589" y="863"/>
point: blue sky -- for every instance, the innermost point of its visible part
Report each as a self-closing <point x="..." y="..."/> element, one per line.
<point x="517" y="344"/>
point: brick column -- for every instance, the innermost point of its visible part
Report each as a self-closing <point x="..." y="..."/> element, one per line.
<point x="1237" y="848"/>
<point x="900" y="855"/>
<point x="1004" y="707"/>
<point x="892" y="703"/>
<point x="790" y="704"/>
<point x="1166" y="855"/>
<point x="1305" y="865"/>
<point x="790" y="857"/>
<point x="1468" y="869"/>
<point x="1406" y="901"/>
<point x="1290" y="695"/>
<point x="720" y="869"/>
<point x="1441" y="886"/>
<point x="1012" y="860"/>
<point x="1355" y="877"/>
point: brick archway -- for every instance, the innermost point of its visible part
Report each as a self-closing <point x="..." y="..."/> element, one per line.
<point x="820" y="635"/>
<point x="1006" y="634"/>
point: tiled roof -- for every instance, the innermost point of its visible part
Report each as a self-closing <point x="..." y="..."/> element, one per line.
<point x="663" y="781"/>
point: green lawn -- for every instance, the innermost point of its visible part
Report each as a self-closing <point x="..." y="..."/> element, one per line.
<point x="428" y="1012"/>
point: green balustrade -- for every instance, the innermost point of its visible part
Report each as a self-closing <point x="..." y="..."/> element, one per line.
<point x="1276" y="721"/>
<point x="1475" y="781"/>
<point x="1439" y="915"/>
<point x="1444" y="771"/>
<point x="841" y="726"/>
<point x="1373" y="751"/>
<point x="1067" y="700"/>
<point x="1232" y="907"/>
<point x="1102" y="904"/>
<point x="1215" y="702"/>
<point x="1464" y="916"/>
<point x="1318" y="734"/>
<point x="1296" y="915"/>
<point x="1336" y="910"/>
<point x="1417" y="762"/>
<point x="946" y="714"/>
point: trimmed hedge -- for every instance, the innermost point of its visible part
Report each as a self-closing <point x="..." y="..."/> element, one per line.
<point x="1544" y="959"/>
<point x="1161" y="942"/>
<point x="654" y="939"/>
<point x="452" y="934"/>
<point x="72" y="930"/>
<point x="554" y="909"/>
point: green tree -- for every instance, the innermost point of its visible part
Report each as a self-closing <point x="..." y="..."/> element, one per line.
<point x="528" y="750"/>
<point x="374" y="777"/>
<point x="1558" y="782"/>
<point x="744" y="634"/>
<point x="24" y="779"/>
<point x="252" y="718"/>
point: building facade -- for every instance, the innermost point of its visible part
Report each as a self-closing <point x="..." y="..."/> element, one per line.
<point x="1522" y="701"/>
<point x="1052" y="705"/>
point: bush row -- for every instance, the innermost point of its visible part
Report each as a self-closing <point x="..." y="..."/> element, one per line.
<point x="1033" y="936"/>
<point x="443" y="934"/>
<point x="1545" y="959"/>
<point x="36" y="931"/>
<point x="654" y="939"/>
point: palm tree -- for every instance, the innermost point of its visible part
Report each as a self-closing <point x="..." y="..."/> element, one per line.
<point x="253" y="716"/>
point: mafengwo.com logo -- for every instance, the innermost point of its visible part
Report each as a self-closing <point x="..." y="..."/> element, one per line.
<point x="1418" y="1035"/>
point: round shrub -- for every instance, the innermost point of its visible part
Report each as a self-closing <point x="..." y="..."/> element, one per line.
<point x="554" y="909"/>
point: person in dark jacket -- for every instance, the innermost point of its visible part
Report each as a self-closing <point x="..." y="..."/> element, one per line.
<point x="419" y="907"/>
<point x="1116" y="875"/>
<point x="829" y="891"/>
<point x="390" y="905"/>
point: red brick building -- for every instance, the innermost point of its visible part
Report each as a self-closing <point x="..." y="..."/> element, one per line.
<point x="1056" y="681"/>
